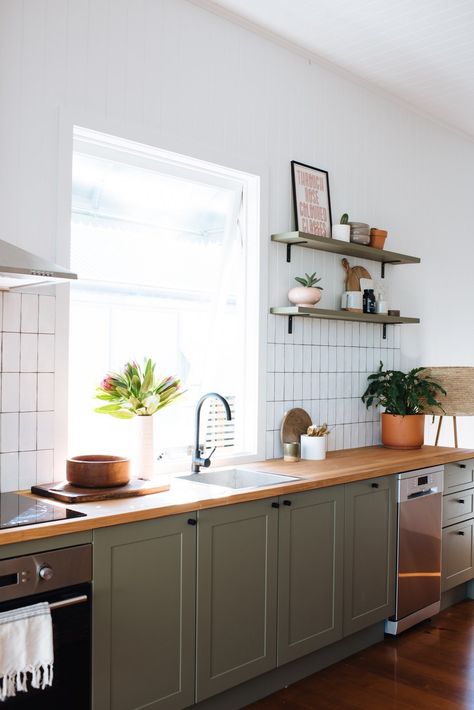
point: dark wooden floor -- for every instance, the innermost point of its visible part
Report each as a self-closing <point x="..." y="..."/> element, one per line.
<point x="430" y="666"/>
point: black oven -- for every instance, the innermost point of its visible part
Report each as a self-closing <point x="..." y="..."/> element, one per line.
<point x="61" y="578"/>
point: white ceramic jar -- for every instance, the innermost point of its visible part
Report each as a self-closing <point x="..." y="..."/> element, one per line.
<point x="341" y="232"/>
<point x="313" y="448"/>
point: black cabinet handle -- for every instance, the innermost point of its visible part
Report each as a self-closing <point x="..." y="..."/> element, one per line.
<point x="275" y="505"/>
<point x="287" y="502"/>
<point x="461" y="501"/>
<point x="375" y="485"/>
<point x="460" y="532"/>
<point x="191" y="521"/>
<point x="462" y="465"/>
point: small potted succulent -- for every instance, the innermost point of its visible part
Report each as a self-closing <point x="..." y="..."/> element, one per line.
<point x="313" y="443"/>
<point x="308" y="294"/>
<point x="405" y="397"/>
<point x="342" y="231"/>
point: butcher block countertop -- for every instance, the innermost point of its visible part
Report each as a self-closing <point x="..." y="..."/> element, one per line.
<point x="183" y="497"/>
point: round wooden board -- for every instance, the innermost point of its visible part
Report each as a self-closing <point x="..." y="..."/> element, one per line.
<point x="294" y="423"/>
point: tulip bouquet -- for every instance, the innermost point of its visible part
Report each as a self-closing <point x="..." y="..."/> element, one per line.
<point x="136" y="391"/>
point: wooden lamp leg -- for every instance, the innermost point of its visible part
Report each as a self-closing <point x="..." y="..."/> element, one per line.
<point x="438" y="431"/>
<point x="455" y="428"/>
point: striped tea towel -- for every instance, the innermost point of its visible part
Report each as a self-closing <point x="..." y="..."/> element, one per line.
<point x="26" y="647"/>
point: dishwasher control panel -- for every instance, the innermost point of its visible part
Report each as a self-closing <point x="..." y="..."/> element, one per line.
<point x="414" y="484"/>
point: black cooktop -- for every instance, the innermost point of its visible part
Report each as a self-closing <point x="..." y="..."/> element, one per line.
<point x="17" y="510"/>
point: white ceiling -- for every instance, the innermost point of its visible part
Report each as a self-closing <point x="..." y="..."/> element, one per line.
<point x="419" y="50"/>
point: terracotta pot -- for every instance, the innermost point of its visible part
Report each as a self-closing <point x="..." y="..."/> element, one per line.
<point x="377" y="242"/>
<point x="98" y="471"/>
<point x="377" y="238"/>
<point x="304" y="296"/>
<point x="406" y="432"/>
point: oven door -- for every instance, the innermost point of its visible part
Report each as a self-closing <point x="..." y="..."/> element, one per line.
<point x="71" y="689"/>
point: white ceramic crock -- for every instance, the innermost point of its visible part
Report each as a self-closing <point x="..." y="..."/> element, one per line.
<point x="313" y="448"/>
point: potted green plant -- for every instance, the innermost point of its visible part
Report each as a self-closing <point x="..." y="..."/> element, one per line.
<point x="308" y="294"/>
<point x="342" y="231"/>
<point x="405" y="396"/>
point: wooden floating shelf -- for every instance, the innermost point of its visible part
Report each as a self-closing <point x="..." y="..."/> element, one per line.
<point x="313" y="312"/>
<point x="336" y="246"/>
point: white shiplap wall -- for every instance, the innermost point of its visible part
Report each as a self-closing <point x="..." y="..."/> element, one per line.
<point x="168" y="73"/>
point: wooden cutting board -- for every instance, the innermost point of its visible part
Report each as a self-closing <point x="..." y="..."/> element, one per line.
<point x="67" y="493"/>
<point x="294" y="423"/>
<point x="354" y="275"/>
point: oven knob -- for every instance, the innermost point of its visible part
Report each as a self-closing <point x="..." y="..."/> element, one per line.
<point x="46" y="573"/>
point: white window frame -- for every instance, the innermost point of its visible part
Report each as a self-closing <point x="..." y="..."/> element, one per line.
<point x="256" y="270"/>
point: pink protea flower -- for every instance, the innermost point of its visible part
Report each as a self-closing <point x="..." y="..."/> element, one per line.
<point x="106" y="383"/>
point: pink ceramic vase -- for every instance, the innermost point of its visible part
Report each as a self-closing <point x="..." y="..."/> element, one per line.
<point x="304" y="296"/>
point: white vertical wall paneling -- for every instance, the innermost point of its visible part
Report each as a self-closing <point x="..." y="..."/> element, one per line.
<point x="168" y="73"/>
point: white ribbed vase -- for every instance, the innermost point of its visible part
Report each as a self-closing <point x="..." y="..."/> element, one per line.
<point x="145" y="457"/>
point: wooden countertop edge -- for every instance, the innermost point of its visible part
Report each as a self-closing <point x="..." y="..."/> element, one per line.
<point x="313" y="475"/>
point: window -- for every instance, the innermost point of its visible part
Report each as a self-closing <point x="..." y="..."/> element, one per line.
<point x="166" y="249"/>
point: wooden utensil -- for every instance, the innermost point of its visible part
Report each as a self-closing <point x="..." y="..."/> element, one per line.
<point x="354" y="275"/>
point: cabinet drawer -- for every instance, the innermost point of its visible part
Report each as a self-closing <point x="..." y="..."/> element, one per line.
<point x="458" y="475"/>
<point x="457" y="554"/>
<point x="458" y="506"/>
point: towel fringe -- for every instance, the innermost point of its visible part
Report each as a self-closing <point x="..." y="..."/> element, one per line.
<point x="16" y="681"/>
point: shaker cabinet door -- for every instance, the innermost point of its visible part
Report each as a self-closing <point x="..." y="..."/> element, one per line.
<point x="144" y="615"/>
<point x="370" y="552"/>
<point x="310" y="571"/>
<point x="236" y="594"/>
<point x="458" y="555"/>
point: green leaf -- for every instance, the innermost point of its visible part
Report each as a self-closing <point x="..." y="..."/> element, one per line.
<point x="107" y="408"/>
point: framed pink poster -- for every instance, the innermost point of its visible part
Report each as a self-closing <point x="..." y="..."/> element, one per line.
<point x="311" y="199"/>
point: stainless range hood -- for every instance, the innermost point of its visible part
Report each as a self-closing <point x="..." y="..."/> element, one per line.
<point x="20" y="268"/>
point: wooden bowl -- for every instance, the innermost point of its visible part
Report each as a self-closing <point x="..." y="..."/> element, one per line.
<point x="98" y="471"/>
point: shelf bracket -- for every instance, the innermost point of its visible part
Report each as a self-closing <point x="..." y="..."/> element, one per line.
<point x="290" y="325"/>
<point x="288" y="250"/>
<point x="384" y="330"/>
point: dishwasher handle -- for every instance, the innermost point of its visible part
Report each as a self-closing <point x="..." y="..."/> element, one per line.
<point x="420" y="494"/>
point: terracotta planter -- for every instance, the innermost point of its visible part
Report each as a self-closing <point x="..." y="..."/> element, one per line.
<point x="406" y="432"/>
<point x="304" y="296"/>
<point x="377" y="238"/>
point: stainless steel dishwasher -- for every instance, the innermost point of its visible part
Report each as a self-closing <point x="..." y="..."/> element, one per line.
<point x="418" y="591"/>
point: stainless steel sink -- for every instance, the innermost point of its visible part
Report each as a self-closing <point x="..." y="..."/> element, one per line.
<point x="238" y="479"/>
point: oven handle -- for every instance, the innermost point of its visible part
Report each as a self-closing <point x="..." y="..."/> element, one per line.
<point x="69" y="602"/>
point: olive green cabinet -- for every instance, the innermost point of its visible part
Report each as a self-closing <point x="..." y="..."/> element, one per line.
<point x="143" y="615"/>
<point x="458" y="524"/>
<point x="369" y="552"/>
<point x="310" y="571"/>
<point x="236" y="594"/>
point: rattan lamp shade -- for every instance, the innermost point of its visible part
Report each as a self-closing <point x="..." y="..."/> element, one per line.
<point x="459" y="385"/>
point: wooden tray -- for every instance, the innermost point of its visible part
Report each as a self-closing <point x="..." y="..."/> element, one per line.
<point x="294" y="423"/>
<point x="67" y="493"/>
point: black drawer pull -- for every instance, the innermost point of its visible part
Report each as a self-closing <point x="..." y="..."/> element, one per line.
<point x="275" y="505"/>
<point x="191" y="521"/>
<point x="287" y="502"/>
<point x="461" y="500"/>
<point x="375" y="485"/>
<point x="462" y="465"/>
<point x="460" y="532"/>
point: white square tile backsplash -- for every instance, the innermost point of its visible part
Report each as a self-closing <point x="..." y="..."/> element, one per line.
<point x="27" y="325"/>
<point x="323" y="367"/>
